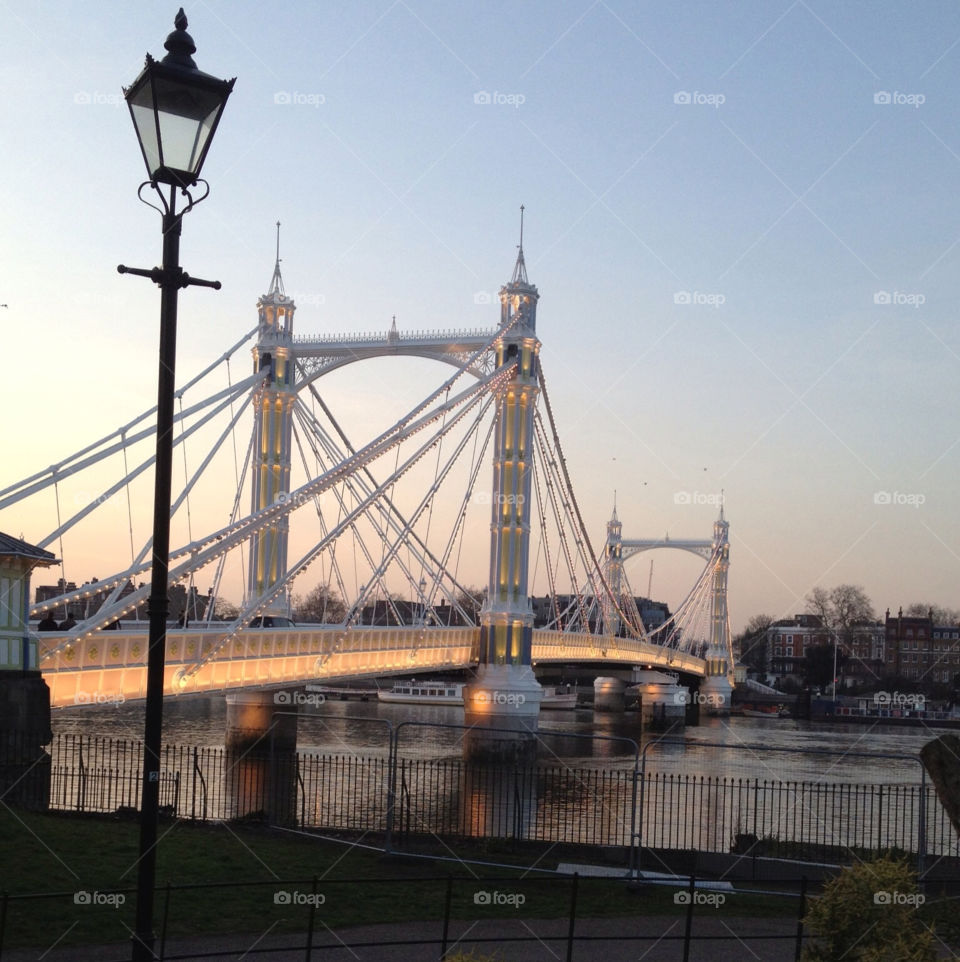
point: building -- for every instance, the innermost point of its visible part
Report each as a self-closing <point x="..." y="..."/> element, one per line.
<point x="24" y="695"/>
<point x="181" y="598"/>
<point x="18" y="651"/>
<point x="790" y="640"/>
<point x="920" y="651"/>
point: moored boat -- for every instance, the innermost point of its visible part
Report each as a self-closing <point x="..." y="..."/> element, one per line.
<point x="559" y="697"/>
<point x="770" y="711"/>
<point x="417" y="691"/>
<point x="422" y="691"/>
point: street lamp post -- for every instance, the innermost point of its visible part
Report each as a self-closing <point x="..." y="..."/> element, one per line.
<point x="834" y="671"/>
<point x="175" y="110"/>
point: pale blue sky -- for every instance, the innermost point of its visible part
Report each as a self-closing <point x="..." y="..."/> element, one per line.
<point x="783" y="202"/>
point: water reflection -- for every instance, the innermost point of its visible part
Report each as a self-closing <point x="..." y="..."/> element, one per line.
<point x="746" y="742"/>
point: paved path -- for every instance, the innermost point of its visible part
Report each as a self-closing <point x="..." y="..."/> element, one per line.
<point x="737" y="940"/>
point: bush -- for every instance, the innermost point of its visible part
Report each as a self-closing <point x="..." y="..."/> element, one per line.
<point x="868" y="913"/>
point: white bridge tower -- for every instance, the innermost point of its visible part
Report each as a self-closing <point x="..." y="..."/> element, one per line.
<point x="273" y="403"/>
<point x="506" y="694"/>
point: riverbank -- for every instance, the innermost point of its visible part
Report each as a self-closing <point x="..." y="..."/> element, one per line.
<point x="242" y="889"/>
<point x="69" y="882"/>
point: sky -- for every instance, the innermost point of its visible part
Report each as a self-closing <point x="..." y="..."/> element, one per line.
<point x="742" y="220"/>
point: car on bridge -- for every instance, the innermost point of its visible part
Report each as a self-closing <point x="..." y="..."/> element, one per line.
<point x="272" y="621"/>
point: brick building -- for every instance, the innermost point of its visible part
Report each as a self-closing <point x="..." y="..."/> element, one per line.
<point x="921" y="651"/>
<point x="789" y="641"/>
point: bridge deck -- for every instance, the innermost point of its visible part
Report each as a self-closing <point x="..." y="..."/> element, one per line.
<point x="111" y="666"/>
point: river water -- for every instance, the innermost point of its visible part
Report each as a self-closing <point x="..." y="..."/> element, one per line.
<point x="774" y="748"/>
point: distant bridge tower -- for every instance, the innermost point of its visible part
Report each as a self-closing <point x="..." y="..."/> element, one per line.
<point x="614" y="574"/>
<point x="273" y="428"/>
<point x="506" y="694"/>
<point x="716" y="689"/>
<point x="717" y="686"/>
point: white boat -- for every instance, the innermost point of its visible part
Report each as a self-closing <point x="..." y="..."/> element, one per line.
<point x="422" y="691"/>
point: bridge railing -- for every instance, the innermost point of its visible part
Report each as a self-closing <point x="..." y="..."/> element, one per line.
<point x="389" y="337"/>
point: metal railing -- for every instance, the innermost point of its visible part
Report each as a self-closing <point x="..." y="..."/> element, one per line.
<point x="408" y="797"/>
<point x="305" y="914"/>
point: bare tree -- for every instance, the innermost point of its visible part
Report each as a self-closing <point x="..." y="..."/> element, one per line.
<point x="322" y="605"/>
<point x="844" y="611"/>
<point x="841" y="609"/>
<point x="938" y="614"/>
<point x="471" y="599"/>
<point x="224" y="610"/>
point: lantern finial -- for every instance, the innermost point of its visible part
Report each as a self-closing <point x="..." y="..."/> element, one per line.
<point x="179" y="44"/>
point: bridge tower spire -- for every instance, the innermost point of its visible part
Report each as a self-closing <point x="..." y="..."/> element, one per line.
<point x="505" y="694"/>
<point x="273" y="403"/>
<point x="614" y="572"/>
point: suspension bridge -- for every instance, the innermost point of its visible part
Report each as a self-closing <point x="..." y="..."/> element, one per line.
<point x="372" y="518"/>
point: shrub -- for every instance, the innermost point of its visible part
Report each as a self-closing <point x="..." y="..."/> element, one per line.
<point x="868" y="913"/>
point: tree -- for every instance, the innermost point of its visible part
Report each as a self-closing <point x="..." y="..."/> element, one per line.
<point x="224" y="610"/>
<point x="322" y="606"/>
<point x="753" y="644"/>
<point x="938" y="614"/>
<point x="844" y="611"/>
<point x="818" y="669"/>
<point x="471" y="599"/>
<point x="841" y="610"/>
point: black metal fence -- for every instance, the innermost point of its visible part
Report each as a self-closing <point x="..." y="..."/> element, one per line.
<point x="553" y="803"/>
<point x="307" y="917"/>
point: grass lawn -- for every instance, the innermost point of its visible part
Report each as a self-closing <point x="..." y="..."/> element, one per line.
<point x="267" y="880"/>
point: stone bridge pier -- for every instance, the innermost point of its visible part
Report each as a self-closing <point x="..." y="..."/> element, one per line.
<point x="261" y="755"/>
